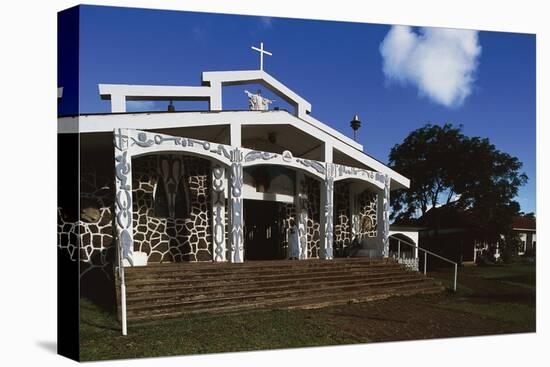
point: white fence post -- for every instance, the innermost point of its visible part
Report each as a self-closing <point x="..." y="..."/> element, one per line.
<point x="425" y="261"/>
<point x="456" y="273"/>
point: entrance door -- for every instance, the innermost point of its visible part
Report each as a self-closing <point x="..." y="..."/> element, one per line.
<point x="262" y="238"/>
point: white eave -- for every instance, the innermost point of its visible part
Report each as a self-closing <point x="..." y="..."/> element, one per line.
<point x="94" y="123"/>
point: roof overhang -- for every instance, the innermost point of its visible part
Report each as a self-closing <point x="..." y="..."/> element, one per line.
<point x="95" y="123"/>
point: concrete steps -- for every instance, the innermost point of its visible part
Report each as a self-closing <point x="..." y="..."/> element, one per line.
<point x="175" y="290"/>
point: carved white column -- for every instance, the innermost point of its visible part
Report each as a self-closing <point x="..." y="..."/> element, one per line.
<point x="123" y="197"/>
<point x="301" y="213"/>
<point x="354" y="212"/>
<point x="386" y="218"/>
<point x="218" y="213"/>
<point x="327" y="220"/>
<point x="236" y="207"/>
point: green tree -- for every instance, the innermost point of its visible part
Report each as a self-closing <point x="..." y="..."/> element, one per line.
<point x="445" y="167"/>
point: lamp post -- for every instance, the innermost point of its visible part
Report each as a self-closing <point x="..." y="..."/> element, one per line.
<point x="355" y="125"/>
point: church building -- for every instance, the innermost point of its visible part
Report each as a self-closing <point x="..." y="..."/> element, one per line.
<point x="217" y="185"/>
<point x="222" y="185"/>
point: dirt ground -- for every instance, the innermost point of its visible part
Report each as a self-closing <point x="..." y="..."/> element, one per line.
<point x="485" y="304"/>
<point x="415" y="318"/>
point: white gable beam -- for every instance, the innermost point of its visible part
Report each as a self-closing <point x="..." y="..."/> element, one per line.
<point x="220" y="78"/>
<point x="120" y="93"/>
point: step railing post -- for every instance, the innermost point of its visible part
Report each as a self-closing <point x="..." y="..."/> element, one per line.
<point x="425" y="261"/>
<point x="456" y="273"/>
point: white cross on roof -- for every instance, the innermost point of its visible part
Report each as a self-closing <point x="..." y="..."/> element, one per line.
<point x="262" y="52"/>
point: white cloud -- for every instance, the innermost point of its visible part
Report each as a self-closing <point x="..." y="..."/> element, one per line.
<point x="440" y="62"/>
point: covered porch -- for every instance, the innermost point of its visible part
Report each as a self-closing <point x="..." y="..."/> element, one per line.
<point x="230" y="189"/>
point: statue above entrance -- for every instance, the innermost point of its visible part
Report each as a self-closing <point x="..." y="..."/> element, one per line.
<point x="257" y="102"/>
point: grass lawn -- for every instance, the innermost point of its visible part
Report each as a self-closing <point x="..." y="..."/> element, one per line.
<point x="269" y="329"/>
<point x="503" y="292"/>
<point x="490" y="300"/>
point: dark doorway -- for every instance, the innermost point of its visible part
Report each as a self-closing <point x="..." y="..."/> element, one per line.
<point x="262" y="239"/>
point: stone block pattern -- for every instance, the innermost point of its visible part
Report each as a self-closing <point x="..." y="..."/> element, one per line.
<point x="313" y="190"/>
<point x="94" y="227"/>
<point x="169" y="239"/>
<point x="288" y="212"/>
<point x="67" y="235"/>
<point x="163" y="239"/>
<point x="342" y="218"/>
<point x="367" y="213"/>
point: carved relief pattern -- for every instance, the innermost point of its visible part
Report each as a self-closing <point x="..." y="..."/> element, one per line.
<point x="364" y="174"/>
<point x="355" y="226"/>
<point x="329" y="212"/>
<point x="236" y="180"/>
<point x="342" y="227"/>
<point x="186" y="239"/>
<point x="302" y="206"/>
<point x="318" y="166"/>
<point x="386" y="219"/>
<point x="256" y="155"/>
<point x="123" y="196"/>
<point x="147" y="140"/>
<point x="171" y="168"/>
<point x="218" y="209"/>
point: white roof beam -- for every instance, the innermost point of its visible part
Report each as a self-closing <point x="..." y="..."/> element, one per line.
<point x="120" y="93"/>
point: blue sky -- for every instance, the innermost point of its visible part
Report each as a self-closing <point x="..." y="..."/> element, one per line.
<point x="337" y="66"/>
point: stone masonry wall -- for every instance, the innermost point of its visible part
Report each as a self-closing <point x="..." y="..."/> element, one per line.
<point x="367" y="214"/>
<point x="342" y="220"/>
<point x="169" y="239"/>
<point x="313" y="189"/>
<point x="163" y="239"/>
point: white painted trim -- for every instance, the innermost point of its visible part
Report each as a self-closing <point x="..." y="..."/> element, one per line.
<point x="257" y="76"/>
<point x="412" y="235"/>
<point x="398" y="181"/>
<point x="120" y="93"/>
<point x="250" y="193"/>
<point x="166" y="120"/>
<point x="212" y="91"/>
<point x="328" y="152"/>
<point x="524" y="230"/>
<point x="329" y="130"/>
<point x="235" y="134"/>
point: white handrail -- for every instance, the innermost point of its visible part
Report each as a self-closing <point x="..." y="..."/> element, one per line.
<point x="426" y="252"/>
